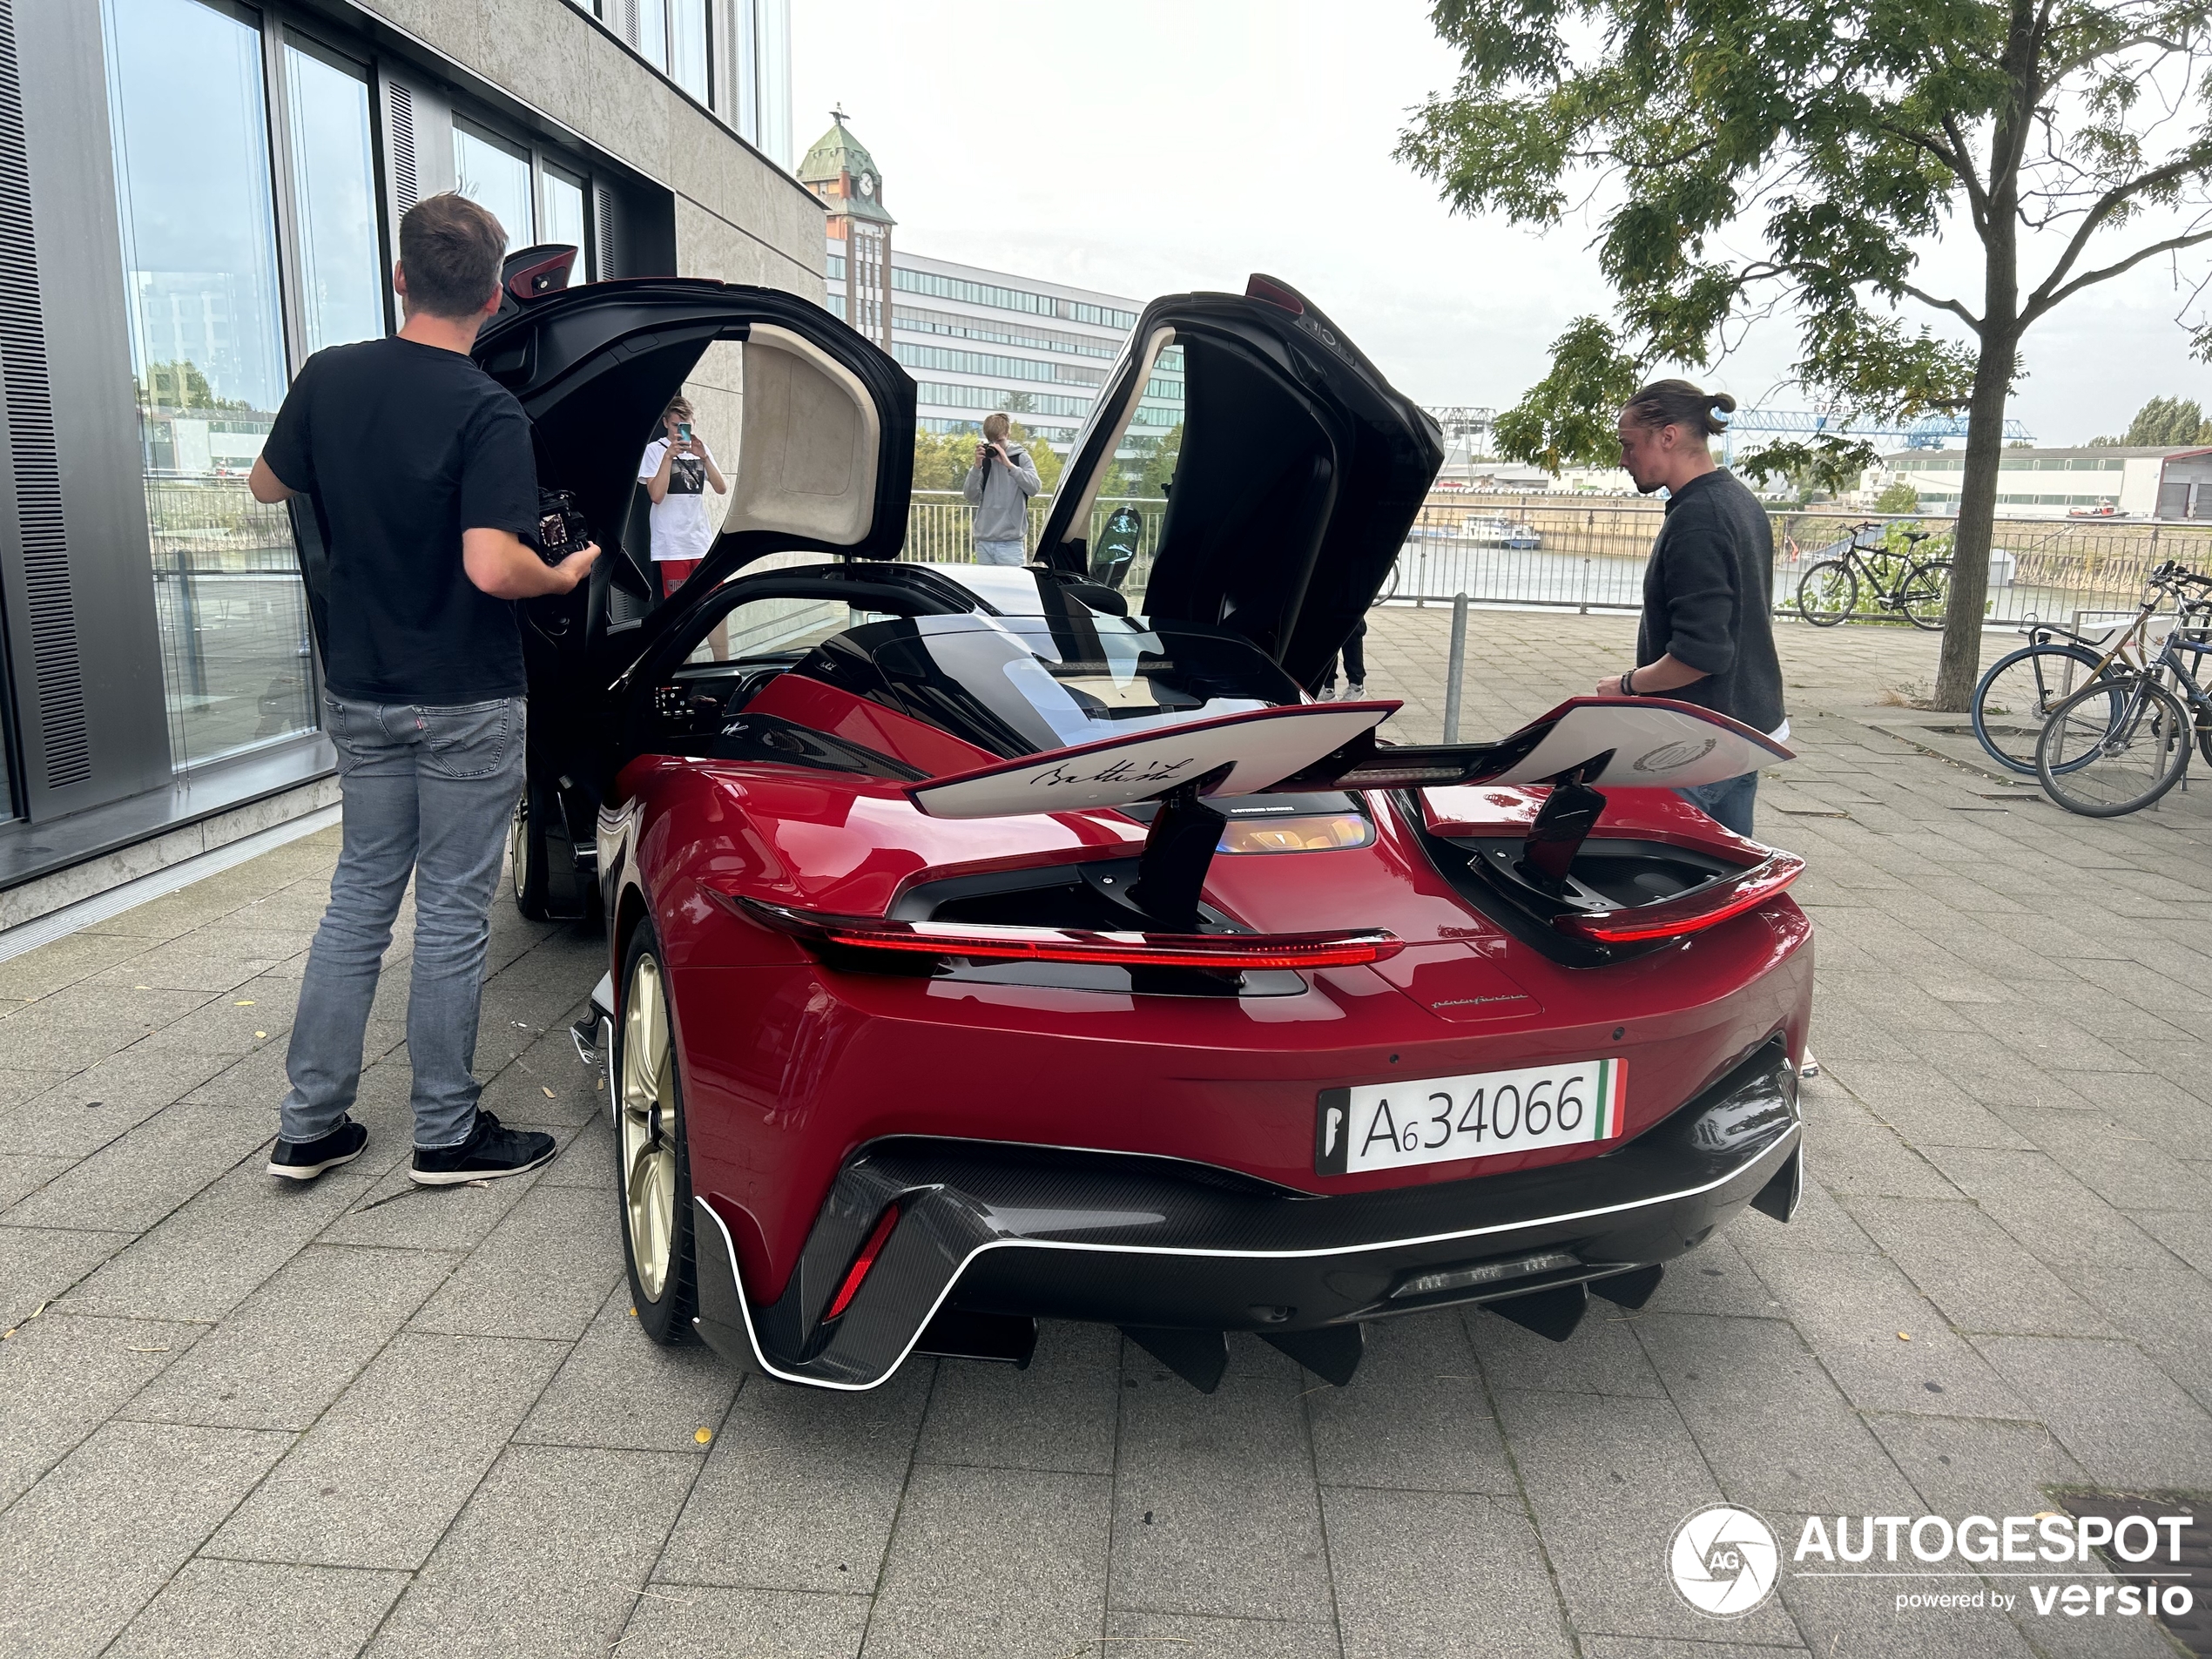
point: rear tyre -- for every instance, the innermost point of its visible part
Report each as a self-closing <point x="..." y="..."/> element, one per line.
<point x="1828" y="594"/>
<point x="2016" y="695"/>
<point x="652" y="1154"/>
<point x="526" y="858"/>
<point x="1925" y="592"/>
<point x="2113" y="747"/>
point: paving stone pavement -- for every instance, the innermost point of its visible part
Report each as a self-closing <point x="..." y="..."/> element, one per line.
<point x="242" y="1418"/>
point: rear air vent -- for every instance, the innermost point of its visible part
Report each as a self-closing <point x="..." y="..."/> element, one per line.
<point x="604" y="242"/>
<point x="55" y="667"/>
<point x="406" y="190"/>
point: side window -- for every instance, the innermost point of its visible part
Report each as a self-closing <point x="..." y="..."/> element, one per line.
<point x="775" y="628"/>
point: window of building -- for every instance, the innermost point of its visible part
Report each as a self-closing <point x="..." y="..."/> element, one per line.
<point x="944" y="359"/>
<point x="560" y="213"/>
<point x="1018" y="404"/>
<point x="688" y="45"/>
<point x="915" y="320"/>
<point x="975" y="293"/>
<point x="495" y="173"/>
<point x="195" y="191"/>
<point x="334" y="191"/>
<point x="1104" y="316"/>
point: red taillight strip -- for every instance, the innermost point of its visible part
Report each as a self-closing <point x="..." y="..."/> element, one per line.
<point x="862" y="1262"/>
<point x="985" y="942"/>
<point x="1693" y="913"/>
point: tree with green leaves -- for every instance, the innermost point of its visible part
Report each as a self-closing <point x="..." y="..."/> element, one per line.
<point x="2165" y="422"/>
<point x="1799" y="157"/>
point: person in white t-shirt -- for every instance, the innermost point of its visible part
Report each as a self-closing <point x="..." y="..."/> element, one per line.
<point x="677" y="470"/>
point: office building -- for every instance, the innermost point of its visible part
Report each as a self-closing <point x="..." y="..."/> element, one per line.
<point x="974" y="340"/>
<point x="194" y="196"/>
<point x="2163" y="483"/>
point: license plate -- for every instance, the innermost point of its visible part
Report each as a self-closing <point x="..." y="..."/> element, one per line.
<point x="1481" y="1114"/>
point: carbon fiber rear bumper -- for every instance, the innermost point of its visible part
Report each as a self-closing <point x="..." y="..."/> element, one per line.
<point x="1132" y="1240"/>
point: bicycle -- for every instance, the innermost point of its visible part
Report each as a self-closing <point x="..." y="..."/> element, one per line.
<point x="1917" y="588"/>
<point x="2121" y="741"/>
<point x="2017" y="693"/>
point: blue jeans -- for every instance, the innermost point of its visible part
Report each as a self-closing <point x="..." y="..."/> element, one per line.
<point x="427" y="791"/>
<point x="1728" y="802"/>
<point x="1008" y="552"/>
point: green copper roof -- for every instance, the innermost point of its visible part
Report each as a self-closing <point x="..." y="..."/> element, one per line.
<point x="835" y="152"/>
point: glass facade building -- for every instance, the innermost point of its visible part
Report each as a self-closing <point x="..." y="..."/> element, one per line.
<point x="195" y="197"/>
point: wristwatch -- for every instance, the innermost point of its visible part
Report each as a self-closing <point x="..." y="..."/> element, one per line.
<point x="1628" y="684"/>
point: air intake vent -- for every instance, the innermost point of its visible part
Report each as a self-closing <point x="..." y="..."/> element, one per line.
<point x="604" y="242"/>
<point x="54" y="663"/>
<point x="405" y="189"/>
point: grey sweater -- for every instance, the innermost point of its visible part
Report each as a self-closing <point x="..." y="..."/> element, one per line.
<point x="1000" y="496"/>
<point x="1708" y="599"/>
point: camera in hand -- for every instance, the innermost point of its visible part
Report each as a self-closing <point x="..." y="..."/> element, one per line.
<point x="561" y="529"/>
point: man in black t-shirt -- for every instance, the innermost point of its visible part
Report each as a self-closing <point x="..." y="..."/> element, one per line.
<point x="421" y="477"/>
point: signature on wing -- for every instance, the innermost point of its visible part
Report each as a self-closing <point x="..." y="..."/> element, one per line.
<point x="1115" y="772"/>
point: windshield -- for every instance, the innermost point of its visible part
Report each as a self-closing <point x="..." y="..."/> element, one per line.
<point x="1021" y="685"/>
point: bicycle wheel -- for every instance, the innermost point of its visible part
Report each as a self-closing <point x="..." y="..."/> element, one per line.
<point x="2016" y="695"/>
<point x="2092" y="762"/>
<point x="1828" y="594"/>
<point x="1924" y="592"/>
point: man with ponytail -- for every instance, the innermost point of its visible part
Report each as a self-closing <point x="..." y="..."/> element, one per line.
<point x="1707" y="633"/>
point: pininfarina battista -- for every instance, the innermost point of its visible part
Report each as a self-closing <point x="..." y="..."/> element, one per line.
<point x="990" y="944"/>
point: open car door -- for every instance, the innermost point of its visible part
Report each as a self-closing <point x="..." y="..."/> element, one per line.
<point x="822" y="460"/>
<point x="1290" y="476"/>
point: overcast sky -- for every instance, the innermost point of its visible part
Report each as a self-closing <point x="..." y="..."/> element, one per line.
<point x="1155" y="146"/>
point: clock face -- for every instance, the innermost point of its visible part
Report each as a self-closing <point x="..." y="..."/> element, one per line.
<point x="867" y="184"/>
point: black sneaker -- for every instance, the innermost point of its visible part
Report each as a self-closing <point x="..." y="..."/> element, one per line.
<point x="305" y="1160"/>
<point x="489" y="1152"/>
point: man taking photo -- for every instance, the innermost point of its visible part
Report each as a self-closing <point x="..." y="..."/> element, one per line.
<point x="422" y="478"/>
<point x="999" y="486"/>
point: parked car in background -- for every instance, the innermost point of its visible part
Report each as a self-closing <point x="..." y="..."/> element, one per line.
<point x="985" y="945"/>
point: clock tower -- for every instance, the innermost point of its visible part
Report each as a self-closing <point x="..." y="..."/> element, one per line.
<point x="843" y="174"/>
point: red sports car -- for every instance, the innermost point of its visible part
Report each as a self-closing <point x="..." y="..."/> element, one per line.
<point x="990" y="944"/>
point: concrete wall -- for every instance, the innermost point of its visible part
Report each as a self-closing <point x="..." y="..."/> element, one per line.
<point x="739" y="217"/>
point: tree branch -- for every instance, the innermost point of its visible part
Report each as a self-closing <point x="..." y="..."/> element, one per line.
<point x="2104" y="207"/>
<point x="1951" y="306"/>
<point x="2037" y="306"/>
<point x="1963" y="166"/>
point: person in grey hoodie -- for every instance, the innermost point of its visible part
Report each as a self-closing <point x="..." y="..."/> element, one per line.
<point x="999" y="486"/>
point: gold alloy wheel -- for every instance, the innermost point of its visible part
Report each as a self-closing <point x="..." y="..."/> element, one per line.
<point x="648" y="1129"/>
<point x="518" y="846"/>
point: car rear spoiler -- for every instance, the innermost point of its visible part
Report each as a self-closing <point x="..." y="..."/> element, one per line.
<point x="1638" y="743"/>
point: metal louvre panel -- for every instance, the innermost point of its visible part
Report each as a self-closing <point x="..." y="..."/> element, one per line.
<point x="64" y="740"/>
<point x="605" y="214"/>
<point x="406" y="180"/>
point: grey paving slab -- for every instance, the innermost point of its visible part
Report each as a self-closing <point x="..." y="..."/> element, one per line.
<point x="1603" y="1357"/>
<point x="1129" y="1631"/>
<point x="1215" y="1510"/>
<point x="63" y="962"/>
<point x="1058" y="1414"/>
<point x="987" y="1562"/>
<point x="619" y="1388"/>
<point x="280" y="1357"/>
<point x="73" y="1028"/>
<point x="215" y="1610"/>
<point x="19" y="1082"/>
<point x="1608" y="1481"/>
<point x="1864" y="1612"/>
<point x="799" y="1488"/>
<point x="1773" y="1426"/>
<point x="209" y="1256"/>
<point x="1972" y="1466"/>
<point x="85" y="1110"/>
<point x="38" y="1263"/>
<point x="2183" y="1231"/>
<point x="1415" y="1417"/>
<point x="2128" y="1423"/>
<point x="375" y="1482"/>
<point x="586" y="1157"/>
<point x="1974" y="1271"/>
<point x="2128" y="1170"/>
<point x="206" y="959"/>
<point x="62" y="1377"/>
<point x="1715" y="1277"/>
<point x="1509" y="1608"/>
<point x="87" y="1547"/>
<point x="548" y="1557"/>
<point x="679" y="1622"/>
<point x="22" y="1175"/>
<point x="1603" y="1646"/>
<point x="1886" y="1345"/>
<point x="545" y="1270"/>
<point x="136" y="1180"/>
<point x="1868" y="1160"/>
<point x="2034" y="1199"/>
<point x="1820" y="1225"/>
<point x="396" y="1212"/>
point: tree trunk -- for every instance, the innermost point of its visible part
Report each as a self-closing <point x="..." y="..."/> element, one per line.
<point x="1960" y="668"/>
<point x="1960" y="665"/>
